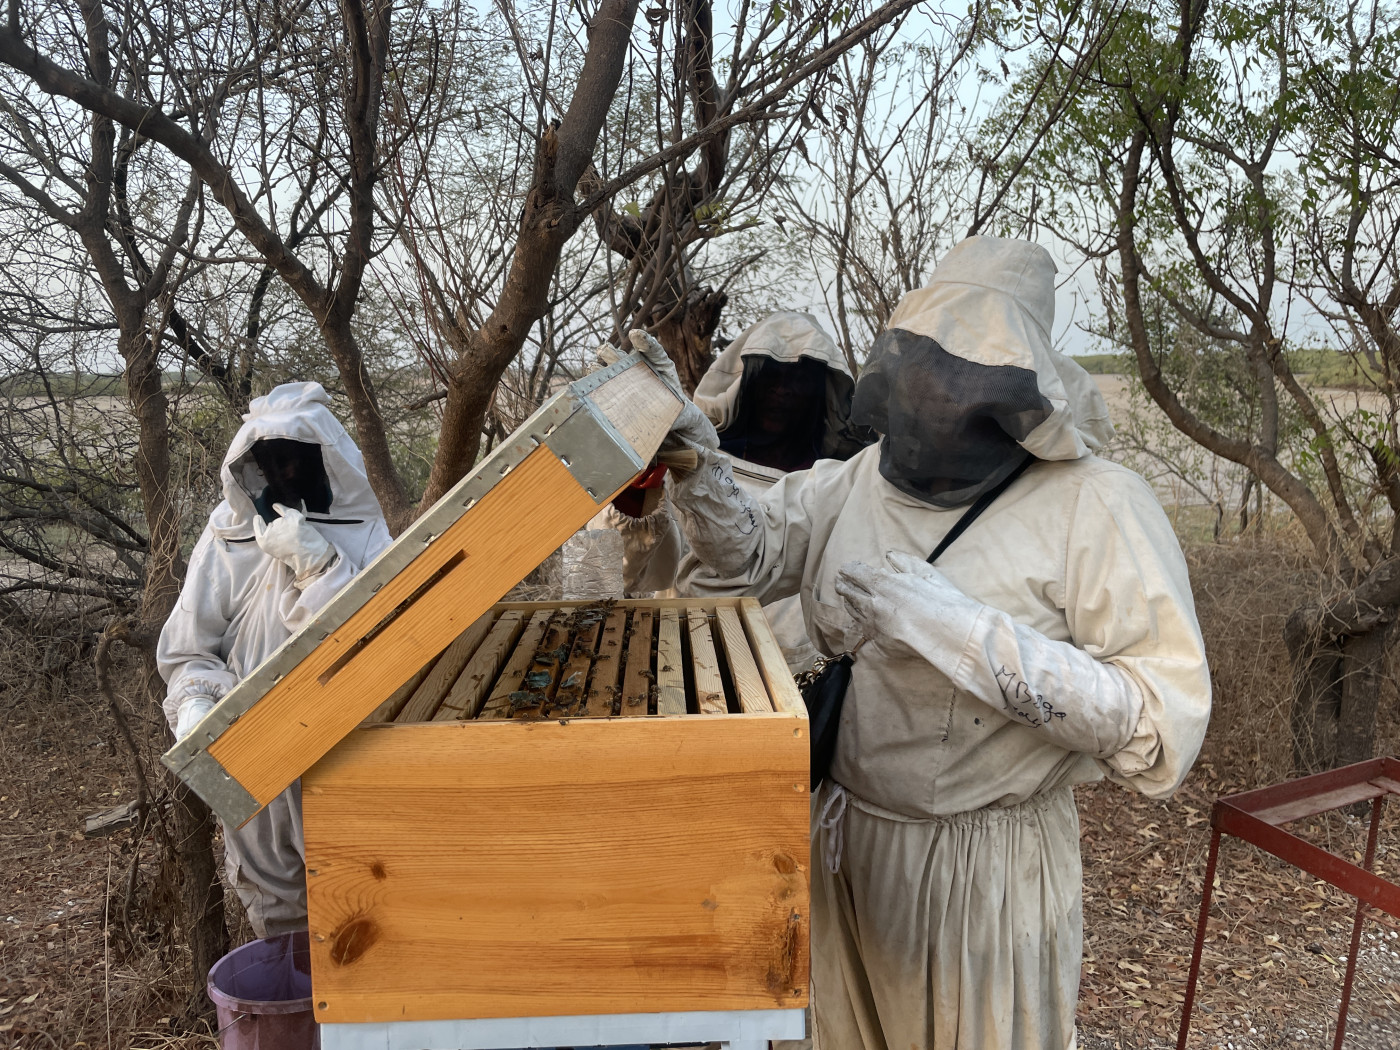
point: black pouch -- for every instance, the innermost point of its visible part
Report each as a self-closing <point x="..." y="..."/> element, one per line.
<point x="824" y="687"/>
<point x="823" y="690"/>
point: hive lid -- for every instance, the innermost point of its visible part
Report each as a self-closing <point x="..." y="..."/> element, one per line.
<point x="460" y="557"/>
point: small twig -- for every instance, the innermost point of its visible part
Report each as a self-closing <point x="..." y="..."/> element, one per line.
<point x="133" y="871"/>
<point x="107" y="948"/>
<point x="123" y="631"/>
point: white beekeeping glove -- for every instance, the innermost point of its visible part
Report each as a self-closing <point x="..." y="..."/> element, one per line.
<point x="1053" y="687"/>
<point x="294" y="541"/>
<point x="192" y="712"/>
<point x="718" y="517"/>
<point x="692" y="425"/>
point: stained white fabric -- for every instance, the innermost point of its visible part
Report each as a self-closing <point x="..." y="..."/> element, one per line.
<point x="952" y="920"/>
<point x="191" y="713"/>
<point x="961" y="931"/>
<point x="239" y="604"/>
<point x="991" y="301"/>
<point x="1079" y="552"/>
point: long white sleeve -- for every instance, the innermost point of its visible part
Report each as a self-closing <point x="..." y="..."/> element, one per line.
<point x="191" y="650"/>
<point x="757" y="545"/>
<point x="1052" y="687"/>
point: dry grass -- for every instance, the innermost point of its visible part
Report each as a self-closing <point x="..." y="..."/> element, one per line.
<point x="1272" y="968"/>
<point x="73" y="972"/>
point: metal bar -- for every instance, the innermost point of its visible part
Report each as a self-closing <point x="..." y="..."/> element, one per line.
<point x="1307" y="787"/>
<point x="740" y="1028"/>
<point x="1201" y="923"/>
<point x="1371" y="835"/>
<point x="1324" y="802"/>
<point x="1360" y="883"/>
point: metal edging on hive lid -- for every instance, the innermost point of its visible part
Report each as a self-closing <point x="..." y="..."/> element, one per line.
<point x="575" y="430"/>
<point x="599" y="458"/>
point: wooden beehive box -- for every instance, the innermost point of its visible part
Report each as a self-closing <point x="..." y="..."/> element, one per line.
<point x="579" y="810"/>
<point x="531" y="810"/>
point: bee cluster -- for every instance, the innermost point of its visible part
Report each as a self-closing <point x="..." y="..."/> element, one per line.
<point x="602" y="659"/>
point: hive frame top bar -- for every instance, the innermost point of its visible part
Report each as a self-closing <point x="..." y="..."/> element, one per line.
<point x="586" y="442"/>
<point x="718" y="649"/>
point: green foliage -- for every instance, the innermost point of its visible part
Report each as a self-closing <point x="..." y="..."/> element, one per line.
<point x="1105" y="364"/>
<point x="1336" y="369"/>
<point x="1264" y="210"/>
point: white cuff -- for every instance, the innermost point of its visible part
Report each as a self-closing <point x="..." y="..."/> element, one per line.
<point x="191" y="713"/>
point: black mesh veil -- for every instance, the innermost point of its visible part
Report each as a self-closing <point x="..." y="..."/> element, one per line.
<point x="779" y="414"/>
<point x="296" y="476"/>
<point x="949" y="427"/>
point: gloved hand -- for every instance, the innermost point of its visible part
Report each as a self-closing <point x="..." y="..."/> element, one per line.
<point x="606" y="355"/>
<point x="191" y="713"/>
<point x="692" y="426"/>
<point x="718" y="517"/>
<point x="1056" y="688"/>
<point x="294" y="541"/>
<point x="910" y="605"/>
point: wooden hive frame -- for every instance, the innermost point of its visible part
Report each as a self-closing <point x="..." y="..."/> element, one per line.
<point x="607" y="813"/>
<point x="530" y="660"/>
<point x="582" y="447"/>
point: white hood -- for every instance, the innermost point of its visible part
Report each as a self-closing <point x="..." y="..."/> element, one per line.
<point x="786" y="336"/>
<point x="991" y="301"/>
<point x="299" y="412"/>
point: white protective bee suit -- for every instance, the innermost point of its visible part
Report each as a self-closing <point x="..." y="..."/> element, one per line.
<point x="239" y="604"/>
<point x="818" y="416"/>
<point x="1055" y="643"/>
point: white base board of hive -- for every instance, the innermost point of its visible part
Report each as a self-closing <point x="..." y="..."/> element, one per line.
<point x="736" y="1029"/>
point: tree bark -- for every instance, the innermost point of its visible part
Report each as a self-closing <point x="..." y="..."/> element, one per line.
<point x="201" y="913"/>
<point x="551" y="216"/>
<point x="1338" y="652"/>
<point x="688" y="333"/>
<point x="1363" y="664"/>
<point x="201" y="892"/>
<point x="1316" y="704"/>
<point x="201" y="896"/>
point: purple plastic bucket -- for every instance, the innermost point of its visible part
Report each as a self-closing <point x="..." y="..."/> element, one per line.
<point x="262" y="992"/>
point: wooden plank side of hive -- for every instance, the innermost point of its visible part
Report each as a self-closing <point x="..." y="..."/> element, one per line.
<point x="771" y="664"/>
<point x="446" y="570"/>
<point x="629" y="865"/>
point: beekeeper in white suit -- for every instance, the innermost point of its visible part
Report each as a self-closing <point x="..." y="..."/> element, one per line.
<point x="297" y="521"/>
<point x="779" y="397"/>
<point x="1055" y="643"/>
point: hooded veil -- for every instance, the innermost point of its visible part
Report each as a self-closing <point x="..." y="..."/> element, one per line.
<point x="964" y="382"/>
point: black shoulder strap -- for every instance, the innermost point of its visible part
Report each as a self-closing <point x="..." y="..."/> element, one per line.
<point x="983" y="502"/>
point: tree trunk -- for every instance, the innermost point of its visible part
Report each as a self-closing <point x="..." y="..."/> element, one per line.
<point x="1363" y="663"/>
<point x="201" y="892"/>
<point x="371" y="435"/>
<point x="1337" y="684"/>
<point x="201" y="914"/>
<point x="688" y="334"/>
<point x="1317" y="703"/>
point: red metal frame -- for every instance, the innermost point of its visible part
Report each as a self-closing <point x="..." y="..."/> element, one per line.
<point x="1258" y="817"/>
